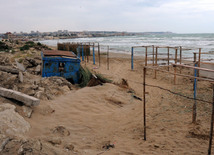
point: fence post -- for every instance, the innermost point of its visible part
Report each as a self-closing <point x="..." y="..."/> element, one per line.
<point x="168" y="56"/>
<point x="146" y="57"/>
<point x="85" y="53"/>
<point x="211" y="126"/>
<point x="156" y="61"/>
<point x="93" y="55"/>
<point x="175" y="68"/>
<point x="153" y="55"/>
<point x="144" y="101"/>
<point x="180" y="57"/>
<point x="132" y="58"/>
<point x="82" y="53"/>
<point x="199" y="60"/>
<point x="99" y="53"/>
<point x="194" y="113"/>
<point x="108" y="58"/>
<point x="78" y="51"/>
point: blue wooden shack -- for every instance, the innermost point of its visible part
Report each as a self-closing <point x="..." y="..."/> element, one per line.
<point x="60" y="63"/>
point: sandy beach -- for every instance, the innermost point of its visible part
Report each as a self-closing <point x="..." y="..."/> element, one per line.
<point x="106" y="115"/>
<point x="106" y="119"/>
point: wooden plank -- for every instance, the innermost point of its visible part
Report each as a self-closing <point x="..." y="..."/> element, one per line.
<point x="183" y="75"/>
<point x="25" y="99"/>
<point x="199" y="68"/>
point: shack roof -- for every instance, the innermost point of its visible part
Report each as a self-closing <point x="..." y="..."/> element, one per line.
<point x="59" y="53"/>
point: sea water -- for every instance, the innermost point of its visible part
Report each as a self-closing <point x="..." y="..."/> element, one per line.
<point x="123" y="44"/>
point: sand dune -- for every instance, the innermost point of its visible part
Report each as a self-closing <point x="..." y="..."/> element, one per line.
<point x="92" y="118"/>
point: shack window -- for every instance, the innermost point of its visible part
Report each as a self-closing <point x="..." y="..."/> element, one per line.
<point x="61" y="67"/>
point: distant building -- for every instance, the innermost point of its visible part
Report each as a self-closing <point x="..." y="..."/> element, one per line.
<point x="8" y="35"/>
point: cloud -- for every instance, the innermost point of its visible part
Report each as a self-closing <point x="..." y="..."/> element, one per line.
<point x="121" y="15"/>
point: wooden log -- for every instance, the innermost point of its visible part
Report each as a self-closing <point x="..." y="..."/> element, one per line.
<point x="9" y="69"/>
<point x="25" y="99"/>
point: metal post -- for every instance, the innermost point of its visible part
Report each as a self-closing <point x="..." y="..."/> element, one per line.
<point x="93" y="55"/>
<point x="180" y="57"/>
<point x="82" y="53"/>
<point x="194" y="113"/>
<point x="168" y="56"/>
<point x="211" y="126"/>
<point x="99" y="53"/>
<point x="132" y="58"/>
<point x="89" y="52"/>
<point x="85" y="54"/>
<point x="144" y="101"/>
<point x="78" y="51"/>
<point x="108" y="58"/>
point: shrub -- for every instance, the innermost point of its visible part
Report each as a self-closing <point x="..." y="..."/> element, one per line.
<point x="86" y="76"/>
<point x="4" y="46"/>
<point x="25" y="47"/>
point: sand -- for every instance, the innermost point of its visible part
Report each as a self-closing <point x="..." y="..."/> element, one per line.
<point x="93" y="119"/>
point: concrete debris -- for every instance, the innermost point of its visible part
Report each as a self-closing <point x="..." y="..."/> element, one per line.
<point x="38" y="69"/>
<point x="9" y="69"/>
<point x="21" y="79"/>
<point x="25" y="99"/>
<point x="54" y="140"/>
<point x="20" y="66"/>
<point x="69" y="147"/>
<point x="27" y="111"/>
<point x="61" y="130"/>
<point x="11" y="123"/>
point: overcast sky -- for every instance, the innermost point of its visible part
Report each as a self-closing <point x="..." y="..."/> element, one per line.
<point x="179" y="16"/>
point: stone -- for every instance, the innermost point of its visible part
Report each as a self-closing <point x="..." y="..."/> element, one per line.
<point x="66" y="88"/>
<point x="35" y="87"/>
<point x="41" y="89"/>
<point x="30" y="92"/>
<point x="27" y="111"/>
<point x="54" y="141"/>
<point x="69" y="147"/>
<point x="38" y="94"/>
<point x="59" y="81"/>
<point x="25" y="99"/>
<point x="11" y="122"/>
<point x="38" y="69"/>
<point x="15" y="88"/>
<point x="21" y="78"/>
<point x="20" y="66"/>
